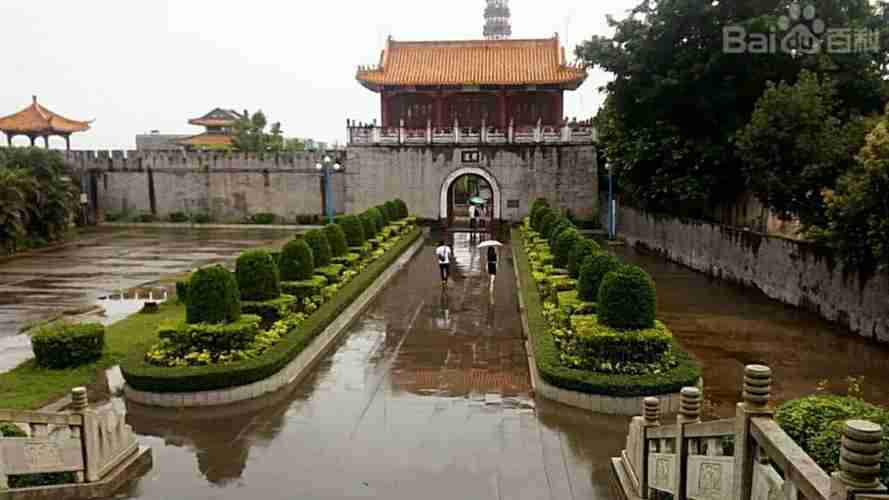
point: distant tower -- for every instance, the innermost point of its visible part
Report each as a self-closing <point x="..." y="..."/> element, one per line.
<point x="497" y="25"/>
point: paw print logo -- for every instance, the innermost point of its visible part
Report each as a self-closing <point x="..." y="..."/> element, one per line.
<point x="803" y="30"/>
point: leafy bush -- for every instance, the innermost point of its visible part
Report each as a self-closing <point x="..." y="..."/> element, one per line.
<point x="379" y="218"/>
<point x="353" y="229"/>
<point x="270" y="310"/>
<point x="258" y="277"/>
<point x="304" y="288"/>
<point x="595" y="346"/>
<point x="331" y="272"/>
<point x="564" y="247"/>
<point x="182" y="291"/>
<point x="368" y="224"/>
<point x="556" y="230"/>
<point x="627" y="299"/>
<point x="337" y="239"/>
<point x="320" y="246"/>
<point x="592" y="271"/>
<point x="403" y="212"/>
<point x="263" y="219"/>
<point x="687" y="371"/>
<point x="200" y="218"/>
<point x="583" y="248"/>
<point x="297" y="261"/>
<point x="547" y="222"/>
<point x="539" y="203"/>
<point x="537" y="216"/>
<point x="178" y="217"/>
<point x="213" y="297"/>
<point x="200" y="344"/>
<point x="391" y="210"/>
<point x="64" y="345"/>
<point x="141" y="375"/>
<point x="146" y="217"/>
<point x="815" y="423"/>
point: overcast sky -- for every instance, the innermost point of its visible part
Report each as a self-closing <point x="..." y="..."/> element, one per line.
<point x="140" y="65"/>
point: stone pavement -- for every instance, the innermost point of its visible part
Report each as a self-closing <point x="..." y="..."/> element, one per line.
<point x="427" y="396"/>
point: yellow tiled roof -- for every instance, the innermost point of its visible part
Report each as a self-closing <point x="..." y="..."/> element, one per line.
<point x="473" y="62"/>
<point x="37" y="119"/>
<point x="206" y="140"/>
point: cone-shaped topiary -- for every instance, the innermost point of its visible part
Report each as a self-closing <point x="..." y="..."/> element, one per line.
<point x="213" y="297"/>
<point x="594" y="268"/>
<point x="368" y="224"/>
<point x="627" y="299"/>
<point x="560" y="225"/>
<point x="337" y="239"/>
<point x="353" y="230"/>
<point x="297" y="261"/>
<point x="379" y="220"/>
<point x="583" y="248"/>
<point x="564" y="246"/>
<point x="547" y="221"/>
<point x="258" y="277"/>
<point x="317" y="241"/>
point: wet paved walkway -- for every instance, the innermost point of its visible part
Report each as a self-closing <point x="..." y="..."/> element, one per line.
<point x="427" y="396"/>
<point x="33" y="287"/>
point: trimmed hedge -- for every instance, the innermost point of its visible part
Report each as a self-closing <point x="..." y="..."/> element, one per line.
<point x="547" y="221"/>
<point x="331" y="271"/>
<point x="270" y="310"/>
<point x="592" y="272"/>
<point x="297" y="261"/>
<point x="403" y="212"/>
<point x="378" y="219"/>
<point x="317" y="241"/>
<point x="353" y="229"/>
<point x="214" y="338"/>
<point x="213" y="296"/>
<point x="539" y="203"/>
<point x="63" y="345"/>
<point x="385" y="213"/>
<point x="182" y="291"/>
<point x="537" y="217"/>
<point x="369" y="225"/>
<point x="142" y="376"/>
<point x="391" y="209"/>
<point x="305" y="288"/>
<point x="561" y="225"/>
<point x="627" y="299"/>
<point x="337" y="239"/>
<point x="564" y="247"/>
<point x="551" y="369"/>
<point x="594" y="342"/>
<point x="258" y="277"/>
<point x="583" y="248"/>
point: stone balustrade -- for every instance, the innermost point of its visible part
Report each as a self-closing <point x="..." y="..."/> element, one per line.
<point x="363" y="134"/>
<point x="689" y="459"/>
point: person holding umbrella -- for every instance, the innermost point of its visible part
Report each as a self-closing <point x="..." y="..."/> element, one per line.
<point x="492" y="258"/>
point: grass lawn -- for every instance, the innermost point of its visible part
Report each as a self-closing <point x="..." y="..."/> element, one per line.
<point x="29" y="387"/>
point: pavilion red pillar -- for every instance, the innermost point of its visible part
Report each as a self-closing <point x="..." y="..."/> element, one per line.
<point x="438" y="110"/>
<point x="384" y="109"/>
<point x="559" y="107"/>
<point x="501" y="109"/>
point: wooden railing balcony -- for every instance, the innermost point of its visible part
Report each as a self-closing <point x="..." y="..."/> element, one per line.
<point x="371" y="134"/>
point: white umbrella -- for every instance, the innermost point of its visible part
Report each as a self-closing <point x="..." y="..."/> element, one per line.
<point x="490" y="243"/>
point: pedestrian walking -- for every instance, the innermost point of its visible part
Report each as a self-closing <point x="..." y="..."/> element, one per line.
<point x="473" y="216"/>
<point x="443" y="255"/>
<point x="492" y="265"/>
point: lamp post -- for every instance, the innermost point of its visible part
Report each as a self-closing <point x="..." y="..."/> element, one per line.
<point x="328" y="167"/>
<point x="611" y="221"/>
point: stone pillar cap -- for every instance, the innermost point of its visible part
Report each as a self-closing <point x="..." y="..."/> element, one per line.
<point x="863" y="430"/>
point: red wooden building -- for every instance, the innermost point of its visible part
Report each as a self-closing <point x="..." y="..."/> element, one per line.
<point x="471" y="83"/>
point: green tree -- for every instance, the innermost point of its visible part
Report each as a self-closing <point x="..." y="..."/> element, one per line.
<point x="250" y="135"/>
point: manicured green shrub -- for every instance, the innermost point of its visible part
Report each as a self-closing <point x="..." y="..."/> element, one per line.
<point x="146" y="217"/>
<point x="403" y="212"/>
<point x="213" y="296"/>
<point x="368" y="224"/>
<point x="320" y="246"/>
<point x="258" y="277"/>
<point x="297" y="261"/>
<point x="353" y="229"/>
<point x="537" y="216"/>
<point x="391" y="210"/>
<point x="178" y="217"/>
<point x="304" y="288"/>
<point x="270" y="310"/>
<point x="561" y="225"/>
<point x="539" y="203"/>
<point x="379" y="221"/>
<point x="592" y="271"/>
<point x="564" y="247"/>
<point x="263" y="219"/>
<point x="337" y="239"/>
<point x="384" y="214"/>
<point x="182" y="291"/>
<point x="331" y="272"/>
<point x="185" y="338"/>
<point x="200" y="218"/>
<point x="64" y="345"/>
<point x="583" y="248"/>
<point x="815" y="423"/>
<point x="598" y="347"/>
<point x="547" y="222"/>
<point x="627" y="299"/>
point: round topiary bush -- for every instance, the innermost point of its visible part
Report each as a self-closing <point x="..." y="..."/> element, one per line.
<point x="384" y="215"/>
<point x="379" y="220"/>
<point x="557" y="229"/>
<point x="62" y="345"/>
<point x="320" y="246"/>
<point x="258" y="277"/>
<point x="592" y="271"/>
<point x="391" y="211"/>
<point x="564" y="246"/>
<point x="627" y="299"/>
<point x="539" y="203"/>
<point x="369" y="225"/>
<point x="353" y="230"/>
<point x="402" y="208"/>
<point x="547" y="220"/>
<point x="337" y="239"/>
<point x="297" y="261"/>
<point x="537" y="217"/>
<point x="213" y="297"/>
<point x="583" y="248"/>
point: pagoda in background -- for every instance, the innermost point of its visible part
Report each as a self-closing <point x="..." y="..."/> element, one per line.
<point x="497" y="25"/>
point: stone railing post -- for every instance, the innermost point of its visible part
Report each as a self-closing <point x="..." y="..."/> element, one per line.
<point x="860" y="454"/>
<point x="456" y="131"/>
<point x="510" y="132"/>
<point x="651" y="412"/>
<point x="689" y="413"/>
<point x="428" y="131"/>
<point x="483" y="132"/>
<point x="401" y="132"/>
<point x="757" y="393"/>
<point x="80" y="404"/>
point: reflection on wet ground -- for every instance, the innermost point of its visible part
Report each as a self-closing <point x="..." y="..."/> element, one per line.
<point x="427" y="396"/>
<point x="728" y="326"/>
<point x="34" y="287"/>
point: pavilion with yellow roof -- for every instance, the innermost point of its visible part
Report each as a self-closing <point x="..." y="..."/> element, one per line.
<point x="37" y="121"/>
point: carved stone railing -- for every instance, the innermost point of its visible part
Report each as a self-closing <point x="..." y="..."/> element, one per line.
<point x="688" y="459"/>
<point x="361" y="134"/>
<point x="90" y="443"/>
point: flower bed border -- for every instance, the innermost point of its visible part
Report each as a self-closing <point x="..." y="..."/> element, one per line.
<point x="223" y="384"/>
<point x="620" y="394"/>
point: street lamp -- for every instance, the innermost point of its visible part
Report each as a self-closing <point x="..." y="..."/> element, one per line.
<point x="612" y="230"/>
<point x="327" y="167"/>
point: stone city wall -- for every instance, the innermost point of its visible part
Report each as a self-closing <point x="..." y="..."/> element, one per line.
<point x="795" y="272"/>
<point x="566" y="175"/>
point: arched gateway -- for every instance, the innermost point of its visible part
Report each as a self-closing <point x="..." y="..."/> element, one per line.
<point x="444" y="201"/>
